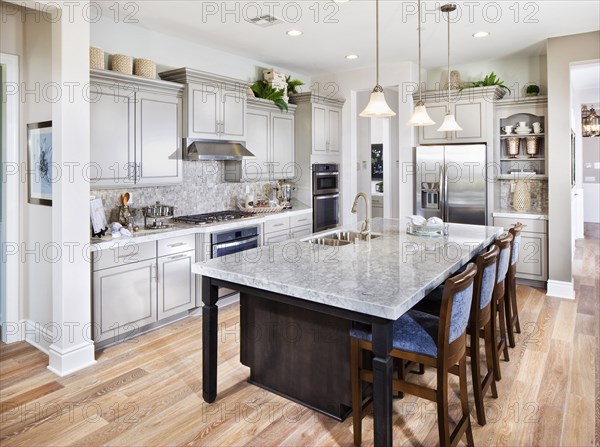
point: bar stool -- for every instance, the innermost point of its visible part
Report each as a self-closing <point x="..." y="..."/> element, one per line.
<point x="499" y="328"/>
<point x="479" y="326"/>
<point x="510" y="298"/>
<point x="439" y="342"/>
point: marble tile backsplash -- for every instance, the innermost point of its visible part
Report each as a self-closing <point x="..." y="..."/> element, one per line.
<point x="537" y="188"/>
<point x="203" y="190"/>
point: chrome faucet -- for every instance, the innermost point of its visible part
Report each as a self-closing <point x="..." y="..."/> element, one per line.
<point x="366" y="225"/>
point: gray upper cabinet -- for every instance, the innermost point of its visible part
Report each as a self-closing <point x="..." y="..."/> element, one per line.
<point x="318" y="124"/>
<point x="135" y="131"/>
<point x="270" y="137"/>
<point x="214" y="106"/>
<point x="112" y="136"/>
<point x="158" y="145"/>
<point x="472" y="108"/>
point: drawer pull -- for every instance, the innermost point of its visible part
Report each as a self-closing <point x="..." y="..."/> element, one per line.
<point x="278" y="225"/>
<point x="179" y="244"/>
<point x="302" y="220"/>
<point x="178" y="256"/>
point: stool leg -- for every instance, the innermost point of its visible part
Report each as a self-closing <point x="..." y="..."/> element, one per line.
<point x="464" y="398"/>
<point x="355" y="354"/>
<point x="476" y="375"/>
<point x="494" y="331"/>
<point x="502" y="326"/>
<point x="489" y="355"/>
<point x="442" y="407"/>
<point x="513" y="297"/>
<point x="508" y="312"/>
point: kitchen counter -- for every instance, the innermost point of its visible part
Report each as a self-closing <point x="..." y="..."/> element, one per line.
<point x="384" y="277"/>
<point x="512" y="214"/>
<point x="182" y="229"/>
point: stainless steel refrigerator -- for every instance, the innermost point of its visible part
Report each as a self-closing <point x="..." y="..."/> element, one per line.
<point x="450" y="183"/>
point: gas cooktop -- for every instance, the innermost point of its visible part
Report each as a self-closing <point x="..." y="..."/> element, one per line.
<point x="210" y="218"/>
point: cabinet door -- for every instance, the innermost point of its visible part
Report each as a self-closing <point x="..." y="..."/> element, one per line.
<point x="203" y="111"/>
<point x="300" y="232"/>
<point x="258" y="141"/>
<point x="430" y="134"/>
<point x="124" y="299"/>
<point x="334" y="118"/>
<point x="158" y="139"/>
<point x="533" y="262"/>
<point x="276" y="237"/>
<point x="112" y="137"/>
<point x="470" y="116"/>
<point x="320" y="128"/>
<point x="282" y="146"/>
<point x="176" y="284"/>
<point x="233" y="115"/>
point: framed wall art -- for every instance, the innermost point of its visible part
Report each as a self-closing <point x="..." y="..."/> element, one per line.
<point x="39" y="163"/>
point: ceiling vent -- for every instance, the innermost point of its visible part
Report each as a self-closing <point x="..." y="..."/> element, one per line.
<point x="265" y="21"/>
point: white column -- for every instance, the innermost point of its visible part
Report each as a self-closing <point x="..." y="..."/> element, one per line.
<point x="72" y="348"/>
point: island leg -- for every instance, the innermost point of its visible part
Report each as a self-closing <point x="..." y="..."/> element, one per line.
<point x="382" y="383"/>
<point x="210" y="317"/>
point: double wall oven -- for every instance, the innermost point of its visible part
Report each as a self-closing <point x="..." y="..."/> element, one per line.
<point x="326" y="196"/>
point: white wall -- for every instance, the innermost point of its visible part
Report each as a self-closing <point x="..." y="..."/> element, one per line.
<point x="31" y="40"/>
<point x="515" y="71"/>
<point x="171" y="52"/>
<point x="562" y="52"/>
<point x="349" y="83"/>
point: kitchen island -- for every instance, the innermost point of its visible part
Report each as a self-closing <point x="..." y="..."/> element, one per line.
<point x="372" y="282"/>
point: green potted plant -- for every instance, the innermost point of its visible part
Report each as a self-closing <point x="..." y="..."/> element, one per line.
<point x="262" y="89"/>
<point x="489" y="80"/>
<point x="293" y="85"/>
<point x="532" y="90"/>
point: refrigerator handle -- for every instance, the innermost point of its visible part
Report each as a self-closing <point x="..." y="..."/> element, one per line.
<point x="442" y="198"/>
<point x="445" y="213"/>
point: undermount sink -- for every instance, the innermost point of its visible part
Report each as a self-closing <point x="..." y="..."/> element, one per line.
<point x="340" y="238"/>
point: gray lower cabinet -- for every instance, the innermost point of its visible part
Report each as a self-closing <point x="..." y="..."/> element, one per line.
<point x="176" y="284"/>
<point x="124" y="299"/>
<point x="135" y="285"/>
<point x="283" y="228"/>
<point x="533" y="254"/>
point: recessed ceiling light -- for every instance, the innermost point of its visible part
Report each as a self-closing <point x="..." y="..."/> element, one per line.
<point x="352" y="56"/>
<point x="294" y="33"/>
<point x="481" y="34"/>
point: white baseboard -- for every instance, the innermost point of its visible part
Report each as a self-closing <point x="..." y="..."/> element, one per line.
<point x="561" y="289"/>
<point x="37" y="336"/>
<point x="63" y="362"/>
<point x="12" y="332"/>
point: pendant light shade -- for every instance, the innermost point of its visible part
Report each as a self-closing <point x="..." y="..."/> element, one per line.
<point x="449" y="124"/>
<point x="420" y="117"/>
<point x="377" y="107"/>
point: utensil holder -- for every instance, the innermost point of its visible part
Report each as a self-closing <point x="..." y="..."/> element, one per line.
<point x="521" y="197"/>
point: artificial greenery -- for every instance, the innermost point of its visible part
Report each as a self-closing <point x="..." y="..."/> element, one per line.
<point x="262" y="89"/>
<point x="491" y="79"/>
<point x="293" y="85"/>
<point x="532" y="90"/>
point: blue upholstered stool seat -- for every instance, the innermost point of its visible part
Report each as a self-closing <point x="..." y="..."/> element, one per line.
<point x="414" y="331"/>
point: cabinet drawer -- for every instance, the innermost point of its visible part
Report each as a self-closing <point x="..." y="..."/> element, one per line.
<point x="272" y="225"/>
<point x="175" y="245"/>
<point x="122" y="255"/>
<point x="300" y="220"/>
<point x="531" y="226"/>
<point x="300" y="232"/>
<point x="276" y="237"/>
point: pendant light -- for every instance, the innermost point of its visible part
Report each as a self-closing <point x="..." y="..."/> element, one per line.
<point x="377" y="107"/>
<point x="420" y="117"/>
<point x="449" y="124"/>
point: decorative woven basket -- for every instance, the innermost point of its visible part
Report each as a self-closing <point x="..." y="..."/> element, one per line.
<point x="97" y="58"/>
<point x="521" y="197"/>
<point x="122" y="63"/>
<point x="145" y="68"/>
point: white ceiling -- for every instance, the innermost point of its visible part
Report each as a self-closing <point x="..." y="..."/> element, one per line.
<point x="585" y="76"/>
<point x="348" y="28"/>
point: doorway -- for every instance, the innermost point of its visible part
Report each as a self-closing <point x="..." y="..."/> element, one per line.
<point x="9" y="201"/>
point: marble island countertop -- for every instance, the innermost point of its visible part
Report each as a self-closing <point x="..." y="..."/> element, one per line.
<point x="182" y="229"/>
<point x="510" y="213"/>
<point x="383" y="277"/>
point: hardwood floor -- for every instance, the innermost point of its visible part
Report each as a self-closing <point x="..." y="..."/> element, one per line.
<point x="148" y="391"/>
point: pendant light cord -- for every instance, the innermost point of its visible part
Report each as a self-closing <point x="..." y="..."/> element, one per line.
<point x="377" y="38"/>
<point x="419" y="28"/>
<point x="448" y="61"/>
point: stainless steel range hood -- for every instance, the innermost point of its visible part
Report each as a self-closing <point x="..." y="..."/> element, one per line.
<point x="200" y="150"/>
